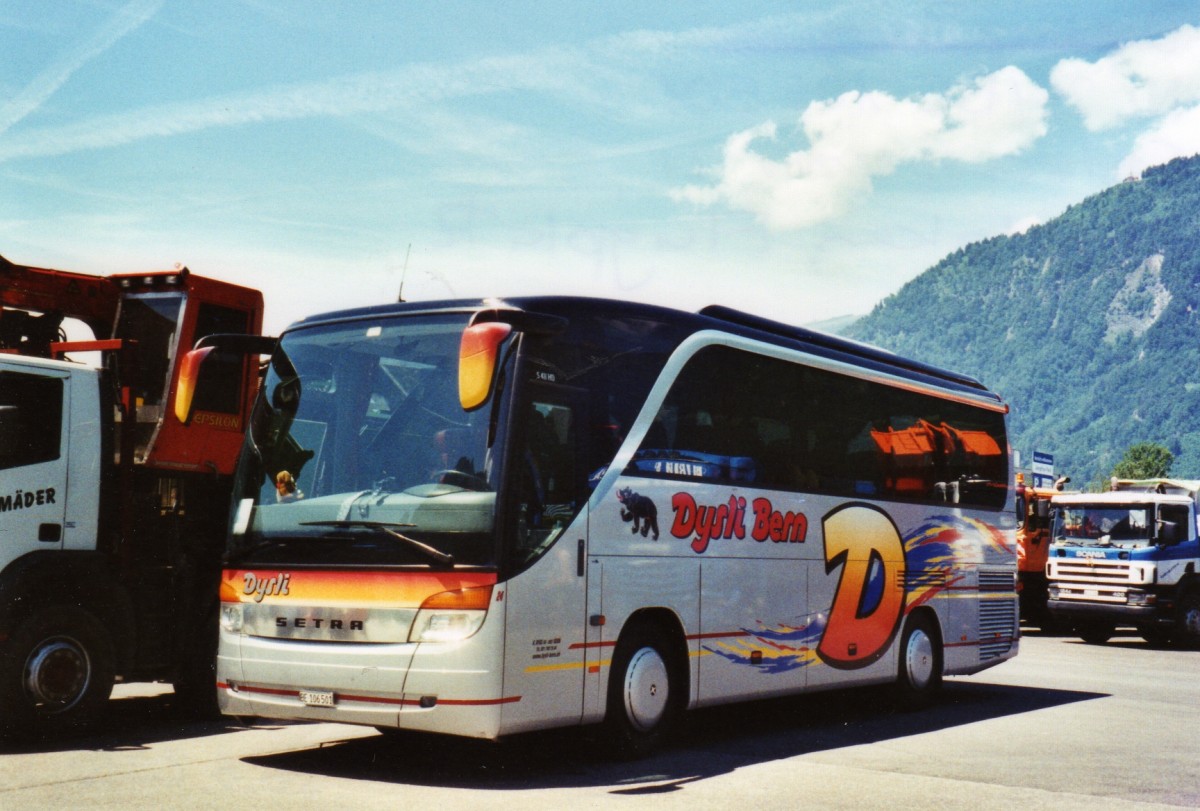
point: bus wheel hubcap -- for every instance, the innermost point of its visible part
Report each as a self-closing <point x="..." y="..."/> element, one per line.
<point x="646" y="689"/>
<point x="918" y="659"/>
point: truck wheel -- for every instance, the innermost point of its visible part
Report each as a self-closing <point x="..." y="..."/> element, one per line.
<point x="1156" y="636"/>
<point x="1095" y="633"/>
<point x="1188" y="621"/>
<point x="646" y="692"/>
<point x="56" y="671"/>
<point x="920" y="668"/>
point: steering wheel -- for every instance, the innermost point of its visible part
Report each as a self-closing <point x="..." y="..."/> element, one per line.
<point x="460" y="478"/>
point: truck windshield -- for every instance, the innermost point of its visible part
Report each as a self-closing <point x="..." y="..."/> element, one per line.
<point x="359" y="453"/>
<point x="1107" y="525"/>
<point x="151" y="319"/>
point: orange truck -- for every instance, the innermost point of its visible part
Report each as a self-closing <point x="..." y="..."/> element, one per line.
<point x="1033" y="548"/>
<point x="112" y="511"/>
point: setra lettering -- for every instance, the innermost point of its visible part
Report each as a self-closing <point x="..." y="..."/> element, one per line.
<point x="319" y="622"/>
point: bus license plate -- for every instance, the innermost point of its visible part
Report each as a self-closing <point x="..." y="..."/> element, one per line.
<point x="316" y="698"/>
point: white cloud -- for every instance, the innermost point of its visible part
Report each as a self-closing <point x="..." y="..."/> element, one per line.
<point x="1175" y="135"/>
<point x="1140" y="79"/>
<point x="859" y="136"/>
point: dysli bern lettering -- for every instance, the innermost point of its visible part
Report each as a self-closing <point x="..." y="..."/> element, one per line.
<point x="704" y="523"/>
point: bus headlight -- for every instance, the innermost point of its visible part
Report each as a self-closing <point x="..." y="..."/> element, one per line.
<point x="451" y="615"/>
<point x="232" y="616"/>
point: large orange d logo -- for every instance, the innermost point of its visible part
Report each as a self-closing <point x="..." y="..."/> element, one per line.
<point x="869" y="601"/>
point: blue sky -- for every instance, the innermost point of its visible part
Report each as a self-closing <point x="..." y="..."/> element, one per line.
<point x="798" y="160"/>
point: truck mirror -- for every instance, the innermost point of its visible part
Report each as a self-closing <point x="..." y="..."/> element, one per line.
<point x="1168" y="533"/>
<point x="1043" y="508"/>
<point x="189" y="375"/>
<point x="225" y="343"/>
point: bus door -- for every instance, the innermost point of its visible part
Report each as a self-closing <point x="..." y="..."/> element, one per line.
<point x="545" y="600"/>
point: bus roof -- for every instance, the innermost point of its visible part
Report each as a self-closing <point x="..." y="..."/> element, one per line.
<point x="714" y="316"/>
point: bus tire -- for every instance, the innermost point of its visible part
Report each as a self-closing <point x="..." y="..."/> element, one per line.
<point x="56" y="672"/>
<point x="1095" y="633"/>
<point x="1188" y="620"/>
<point x="646" y="692"/>
<point x="920" y="667"/>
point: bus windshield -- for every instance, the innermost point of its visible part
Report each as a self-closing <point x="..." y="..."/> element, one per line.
<point x="359" y="452"/>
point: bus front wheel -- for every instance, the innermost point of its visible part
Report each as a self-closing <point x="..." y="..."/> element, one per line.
<point x="646" y="692"/>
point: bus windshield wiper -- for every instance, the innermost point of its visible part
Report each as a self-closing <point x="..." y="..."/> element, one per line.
<point x="434" y="554"/>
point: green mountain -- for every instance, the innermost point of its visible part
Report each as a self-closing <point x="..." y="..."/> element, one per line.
<point x="1087" y="325"/>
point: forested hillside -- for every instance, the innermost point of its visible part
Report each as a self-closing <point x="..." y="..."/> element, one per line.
<point x="1087" y="324"/>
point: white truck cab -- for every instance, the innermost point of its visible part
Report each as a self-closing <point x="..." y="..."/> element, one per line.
<point x="1127" y="557"/>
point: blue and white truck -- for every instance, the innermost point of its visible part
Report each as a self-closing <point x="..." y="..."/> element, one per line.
<point x="1127" y="557"/>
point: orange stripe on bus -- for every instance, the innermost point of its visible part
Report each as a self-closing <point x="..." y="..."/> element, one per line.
<point x="394" y="589"/>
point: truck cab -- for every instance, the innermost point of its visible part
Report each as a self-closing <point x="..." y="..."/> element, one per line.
<point x="1127" y="557"/>
<point x="1033" y="549"/>
<point x="112" y="509"/>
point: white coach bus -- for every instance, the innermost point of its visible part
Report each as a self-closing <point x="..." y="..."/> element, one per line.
<point x="488" y="517"/>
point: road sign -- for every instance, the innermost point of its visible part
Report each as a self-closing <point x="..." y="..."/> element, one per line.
<point x="1043" y="469"/>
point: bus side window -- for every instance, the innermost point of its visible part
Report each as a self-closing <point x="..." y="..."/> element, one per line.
<point x="548" y="486"/>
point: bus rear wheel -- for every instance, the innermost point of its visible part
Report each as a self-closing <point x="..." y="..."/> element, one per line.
<point x="920" y="667"/>
<point x="56" y="671"/>
<point x="646" y="692"/>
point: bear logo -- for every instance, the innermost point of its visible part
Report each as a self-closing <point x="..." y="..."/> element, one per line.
<point x="640" y="510"/>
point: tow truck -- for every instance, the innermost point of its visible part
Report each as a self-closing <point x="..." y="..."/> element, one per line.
<point x="1033" y="549"/>
<point x="112" y="511"/>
